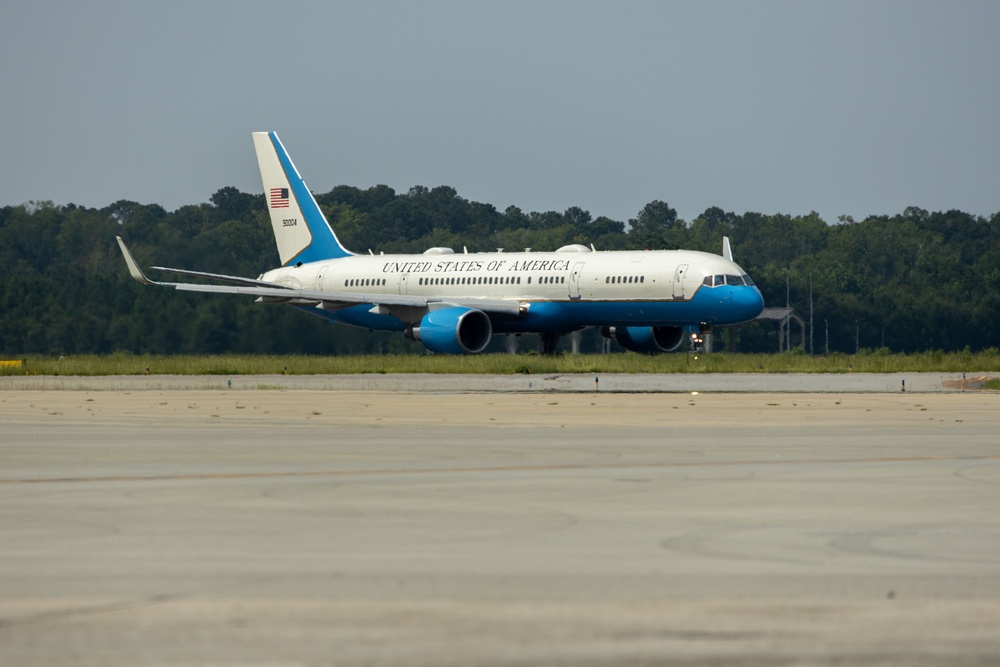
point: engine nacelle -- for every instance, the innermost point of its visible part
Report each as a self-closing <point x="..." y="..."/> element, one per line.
<point x="647" y="340"/>
<point x="453" y="330"/>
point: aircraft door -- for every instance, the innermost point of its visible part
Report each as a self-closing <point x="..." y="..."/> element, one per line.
<point x="319" y="277"/>
<point x="574" y="281"/>
<point x="679" y="281"/>
<point x="402" y="283"/>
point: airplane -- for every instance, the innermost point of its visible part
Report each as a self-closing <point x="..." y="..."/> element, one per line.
<point x="453" y="303"/>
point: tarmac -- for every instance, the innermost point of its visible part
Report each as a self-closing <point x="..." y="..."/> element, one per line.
<point x="574" y="382"/>
<point x="272" y="524"/>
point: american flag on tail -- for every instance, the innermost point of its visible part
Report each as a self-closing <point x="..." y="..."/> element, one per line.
<point x="279" y="197"/>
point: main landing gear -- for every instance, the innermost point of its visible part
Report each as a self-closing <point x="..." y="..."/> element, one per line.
<point x="549" y="343"/>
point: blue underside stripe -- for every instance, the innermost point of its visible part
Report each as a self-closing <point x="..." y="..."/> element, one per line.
<point x="730" y="305"/>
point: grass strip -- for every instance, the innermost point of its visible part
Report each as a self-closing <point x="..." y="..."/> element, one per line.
<point x="506" y="364"/>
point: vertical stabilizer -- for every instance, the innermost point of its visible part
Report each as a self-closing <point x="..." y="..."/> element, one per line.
<point x="300" y="228"/>
<point x="727" y="251"/>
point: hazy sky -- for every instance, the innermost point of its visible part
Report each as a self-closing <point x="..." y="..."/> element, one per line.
<point x="843" y="107"/>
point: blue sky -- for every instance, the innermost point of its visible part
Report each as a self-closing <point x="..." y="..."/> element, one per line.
<point x="846" y="108"/>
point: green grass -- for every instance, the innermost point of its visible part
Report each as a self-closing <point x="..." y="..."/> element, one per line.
<point x="507" y="364"/>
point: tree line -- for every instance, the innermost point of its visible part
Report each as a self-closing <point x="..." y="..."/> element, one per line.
<point x="908" y="282"/>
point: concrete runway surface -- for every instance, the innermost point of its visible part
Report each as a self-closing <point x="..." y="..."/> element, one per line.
<point x="521" y="383"/>
<point x="376" y="528"/>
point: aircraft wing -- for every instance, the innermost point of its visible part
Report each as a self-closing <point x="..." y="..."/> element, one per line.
<point x="275" y="293"/>
<point x="239" y="280"/>
<point x="336" y="300"/>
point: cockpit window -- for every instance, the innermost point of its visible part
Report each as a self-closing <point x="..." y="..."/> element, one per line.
<point x="729" y="279"/>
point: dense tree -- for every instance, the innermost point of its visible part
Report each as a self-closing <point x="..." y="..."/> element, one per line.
<point x="912" y="281"/>
<point x="657" y="226"/>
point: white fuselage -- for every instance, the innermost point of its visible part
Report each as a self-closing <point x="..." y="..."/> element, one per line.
<point x="660" y="275"/>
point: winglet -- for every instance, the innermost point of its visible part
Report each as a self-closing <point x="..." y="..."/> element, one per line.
<point x="727" y="252"/>
<point x="133" y="268"/>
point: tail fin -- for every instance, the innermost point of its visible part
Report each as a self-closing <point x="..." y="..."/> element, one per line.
<point x="300" y="228"/>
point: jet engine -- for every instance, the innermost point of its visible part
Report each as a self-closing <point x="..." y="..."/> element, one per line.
<point x="647" y="340"/>
<point x="453" y="330"/>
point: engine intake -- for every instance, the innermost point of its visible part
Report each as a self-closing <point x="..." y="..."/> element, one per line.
<point x="646" y="340"/>
<point x="453" y="330"/>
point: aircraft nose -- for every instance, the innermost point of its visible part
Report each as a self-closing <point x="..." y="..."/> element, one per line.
<point x="748" y="302"/>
